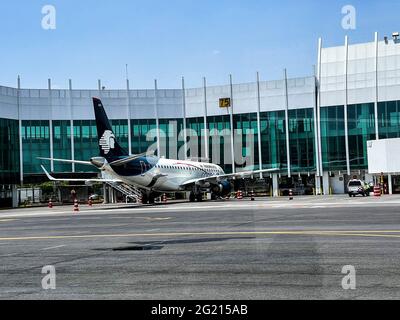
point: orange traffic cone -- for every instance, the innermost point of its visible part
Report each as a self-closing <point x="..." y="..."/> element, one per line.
<point x="76" y="206"/>
<point x="50" y="205"/>
<point x="164" y="198"/>
<point x="290" y="194"/>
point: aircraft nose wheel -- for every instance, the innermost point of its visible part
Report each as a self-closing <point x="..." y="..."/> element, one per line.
<point x="195" y="196"/>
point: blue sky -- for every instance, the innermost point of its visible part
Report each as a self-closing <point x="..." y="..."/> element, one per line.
<point x="166" y="39"/>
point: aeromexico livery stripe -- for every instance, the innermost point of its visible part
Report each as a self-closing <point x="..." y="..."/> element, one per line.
<point x="191" y="165"/>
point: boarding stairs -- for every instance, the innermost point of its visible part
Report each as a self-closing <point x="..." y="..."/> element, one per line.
<point x="129" y="191"/>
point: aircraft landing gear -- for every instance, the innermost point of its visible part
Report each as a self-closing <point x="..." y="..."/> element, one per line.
<point x="148" y="197"/>
<point x="145" y="198"/>
<point x="196" y="195"/>
<point x="151" y="199"/>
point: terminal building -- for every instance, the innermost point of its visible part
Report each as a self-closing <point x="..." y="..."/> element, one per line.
<point x="313" y="129"/>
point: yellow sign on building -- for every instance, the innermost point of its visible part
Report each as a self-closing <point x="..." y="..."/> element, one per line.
<point x="224" y="102"/>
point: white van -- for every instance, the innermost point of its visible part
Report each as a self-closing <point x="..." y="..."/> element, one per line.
<point x="355" y="187"/>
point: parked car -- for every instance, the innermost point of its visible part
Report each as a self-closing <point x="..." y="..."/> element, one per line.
<point x="94" y="196"/>
<point x="355" y="187"/>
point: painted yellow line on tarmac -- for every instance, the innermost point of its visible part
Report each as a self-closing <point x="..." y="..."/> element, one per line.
<point x="215" y="233"/>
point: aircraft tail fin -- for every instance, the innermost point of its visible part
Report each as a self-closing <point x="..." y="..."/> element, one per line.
<point x="108" y="145"/>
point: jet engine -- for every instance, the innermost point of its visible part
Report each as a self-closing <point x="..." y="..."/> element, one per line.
<point x="222" y="188"/>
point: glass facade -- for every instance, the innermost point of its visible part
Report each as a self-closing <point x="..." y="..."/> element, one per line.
<point x="62" y="144"/>
<point x="35" y="136"/>
<point x="302" y="140"/>
<point x="120" y="128"/>
<point x="196" y="126"/>
<point x="333" y="138"/>
<point x="35" y="143"/>
<point x="219" y="141"/>
<point x="245" y="125"/>
<point x="139" y="131"/>
<point x="273" y="140"/>
<point x="85" y="143"/>
<point x="361" y="128"/>
<point x="9" y="152"/>
<point x="389" y="119"/>
<point x="170" y="142"/>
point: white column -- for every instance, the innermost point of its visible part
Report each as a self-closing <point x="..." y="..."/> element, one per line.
<point x="128" y="116"/>
<point x="275" y="185"/>
<point x="71" y="123"/>
<point x="287" y="123"/>
<point x="205" y="120"/>
<point x="346" y="125"/>
<point x="318" y="185"/>
<point x="325" y="180"/>
<point x="390" y="184"/>
<point x="318" y="122"/>
<point x="185" y="148"/>
<point x="232" y="129"/>
<point x="51" y="126"/>
<point x="21" y="155"/>
<point x="260" y="162"/>
<point x="376" y="88"/>
<point x="156" y="115"/>
<point x="14" y="196"/>
<point x="316" y="144"/>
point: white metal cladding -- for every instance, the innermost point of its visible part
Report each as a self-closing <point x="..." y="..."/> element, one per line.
<point x="8" y="103"/>
<point x="361" y="73"/>
<point x="272" y="95"/>
<point x="214" y="93"/>
<point x="194" y="102"/>
<point x="169" y="107"/>
<point x="388" y="70"/>
<point x="301" y="93"/>
<point x="37" y="104"/>
<point x="332" y="82"/>
<point x="245" y="98"/>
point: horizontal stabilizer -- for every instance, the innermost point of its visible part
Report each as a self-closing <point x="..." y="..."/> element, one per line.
<point x="67" y="161"/>
<point x="51" y="178"/>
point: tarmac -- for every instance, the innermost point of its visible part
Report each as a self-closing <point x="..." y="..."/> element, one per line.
<point x="270" y="248"/>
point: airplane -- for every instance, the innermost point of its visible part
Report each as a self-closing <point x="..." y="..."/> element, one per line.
<point x="151" y="174"/>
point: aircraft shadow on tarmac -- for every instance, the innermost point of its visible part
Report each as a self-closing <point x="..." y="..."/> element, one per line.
<point x="158" y="245"/>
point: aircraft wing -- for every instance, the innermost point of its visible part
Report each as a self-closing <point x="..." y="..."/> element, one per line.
<point x="77" y="180"/>
<point x="68" y="161"/>
<point x="228" y="176"/>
